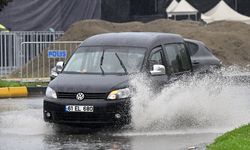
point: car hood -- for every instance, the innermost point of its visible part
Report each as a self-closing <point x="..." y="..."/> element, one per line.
<point x="88" y="83"/>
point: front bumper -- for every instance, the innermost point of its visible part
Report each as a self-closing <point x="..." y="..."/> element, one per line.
<point x="104" y="111"/>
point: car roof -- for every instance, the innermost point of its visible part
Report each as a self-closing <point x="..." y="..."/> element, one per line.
<point x="135" y="39"/>
<point x="194" y="41"/>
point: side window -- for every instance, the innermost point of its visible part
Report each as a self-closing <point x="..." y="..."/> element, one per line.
<point x="192" y="48"/>
<point x="185" y="58"/>
<point x="156" y="58"/>
<point x="178" y="58"/>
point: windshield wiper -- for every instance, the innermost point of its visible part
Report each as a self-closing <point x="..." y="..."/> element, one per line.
<point x="101" y="62"/>
<point x="122" y="64"/>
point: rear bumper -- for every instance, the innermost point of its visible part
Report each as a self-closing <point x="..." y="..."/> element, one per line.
<point x="104" y="112"/>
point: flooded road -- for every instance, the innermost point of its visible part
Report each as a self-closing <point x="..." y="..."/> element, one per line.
<point x="22" y="125"/>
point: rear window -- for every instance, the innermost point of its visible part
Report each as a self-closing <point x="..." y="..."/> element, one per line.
<point x="192" y="48"/>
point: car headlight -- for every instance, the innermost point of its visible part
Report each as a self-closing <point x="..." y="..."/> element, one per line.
<point x="50" y="93"/>
<point x="119" y="94"/>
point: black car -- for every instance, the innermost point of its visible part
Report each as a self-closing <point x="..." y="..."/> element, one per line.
<point x="93" y="86"/>
<point x="203" y="60"/>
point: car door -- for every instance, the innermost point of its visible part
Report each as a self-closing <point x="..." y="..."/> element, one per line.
<point x="157" y="57"/>
<point x="178" y="60"/>
<point x="202" y="58"/>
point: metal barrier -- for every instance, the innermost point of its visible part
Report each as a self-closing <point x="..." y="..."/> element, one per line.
<point x="10" y="47"/>
<point x="35" y="60"/>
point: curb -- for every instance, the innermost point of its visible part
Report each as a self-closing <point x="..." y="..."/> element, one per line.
<point x="4" y="92"/>
<point x="10" y="92"/>
<point x="15" y="92"/>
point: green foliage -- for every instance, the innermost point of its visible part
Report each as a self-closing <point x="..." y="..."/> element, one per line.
<point x="238" y="139"/>
<point x="9" y="84"/>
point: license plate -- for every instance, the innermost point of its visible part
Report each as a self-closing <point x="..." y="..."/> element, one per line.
<point x="78" y="108"/>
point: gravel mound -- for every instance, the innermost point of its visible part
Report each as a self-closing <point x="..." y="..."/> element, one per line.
<point x="229" y="41"/>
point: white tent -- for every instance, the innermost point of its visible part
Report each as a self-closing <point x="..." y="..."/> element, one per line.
<point x="171" y="7"/>
<point x="223" y="12"/>
<point x="183" y="8"/>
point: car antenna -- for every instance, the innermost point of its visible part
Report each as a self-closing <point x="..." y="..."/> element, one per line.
<point x="122" y="64"/>
<point x="101" y="62"/>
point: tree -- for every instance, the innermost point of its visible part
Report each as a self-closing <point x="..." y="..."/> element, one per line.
<point x="3" y="3"/>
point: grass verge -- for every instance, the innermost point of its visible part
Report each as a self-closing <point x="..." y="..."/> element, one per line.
<point x="18" y="84"/>
<point x="238" y="139"/>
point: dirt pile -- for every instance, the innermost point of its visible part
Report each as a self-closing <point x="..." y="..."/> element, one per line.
<point x="228" y="40"/>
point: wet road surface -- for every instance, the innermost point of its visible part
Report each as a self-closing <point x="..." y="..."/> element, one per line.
<point x="22" y="127"/>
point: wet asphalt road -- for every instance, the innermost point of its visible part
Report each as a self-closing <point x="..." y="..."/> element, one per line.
<point x="22" y="127"/>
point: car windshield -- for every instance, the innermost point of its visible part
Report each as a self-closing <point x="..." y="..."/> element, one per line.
<point x="100" y="60"/>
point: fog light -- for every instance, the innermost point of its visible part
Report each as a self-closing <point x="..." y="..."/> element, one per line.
<point x="48" y="114"/>
<point x="117" y="116"/>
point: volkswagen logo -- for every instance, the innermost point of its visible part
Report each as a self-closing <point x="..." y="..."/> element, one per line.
<point x="79" y="96"/>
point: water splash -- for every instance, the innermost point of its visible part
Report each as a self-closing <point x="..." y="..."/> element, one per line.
<point x="207" y="102"/>
<point x="25" y="122"/>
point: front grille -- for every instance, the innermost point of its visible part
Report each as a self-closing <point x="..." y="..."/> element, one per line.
<point x="86" y="95"/>
<point x="83" y="117"/>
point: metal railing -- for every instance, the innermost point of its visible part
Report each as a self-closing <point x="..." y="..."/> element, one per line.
<point x="35" y="60"/>
<point x="10" y="47"/>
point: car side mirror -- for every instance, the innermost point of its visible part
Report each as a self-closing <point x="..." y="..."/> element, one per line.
<point x="59" y="67"/>
<point x="158" y="70"/>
